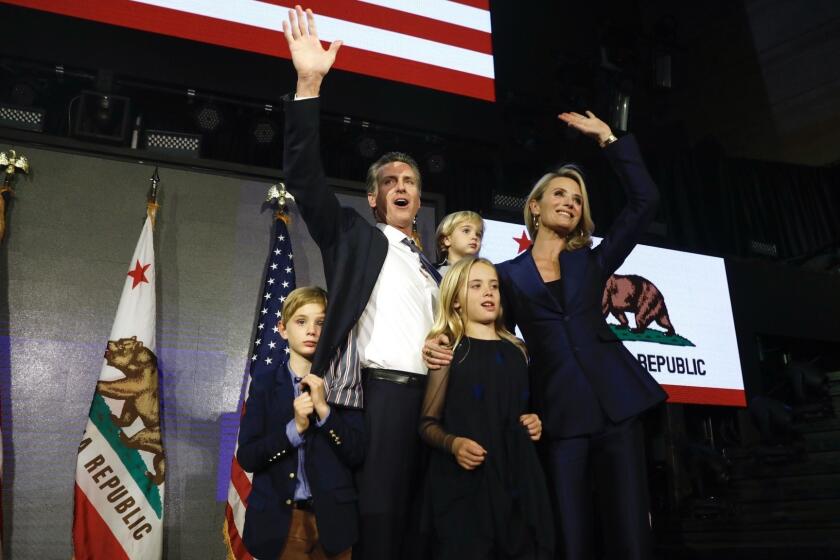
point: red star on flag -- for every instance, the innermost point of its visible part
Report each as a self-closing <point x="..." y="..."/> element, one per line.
<point x="138" y="274"/>
<point x="523" y="241"/>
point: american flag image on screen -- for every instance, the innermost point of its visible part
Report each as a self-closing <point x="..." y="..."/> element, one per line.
<point x="440" y="44"/>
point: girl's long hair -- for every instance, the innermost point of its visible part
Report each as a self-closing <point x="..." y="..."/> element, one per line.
<point x="452" y="322"/>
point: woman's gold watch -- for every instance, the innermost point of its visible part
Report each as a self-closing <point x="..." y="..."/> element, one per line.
<point x="610" y="139"/>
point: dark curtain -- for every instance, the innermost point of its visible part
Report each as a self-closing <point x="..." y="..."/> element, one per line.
<point x="715" y="204"/>
<point x="795" y="207"/>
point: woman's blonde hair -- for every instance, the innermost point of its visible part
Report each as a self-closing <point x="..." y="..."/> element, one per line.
<point x="581" y="236"/>
<point x="450" y="321"/>
<point x="449" y="223"/>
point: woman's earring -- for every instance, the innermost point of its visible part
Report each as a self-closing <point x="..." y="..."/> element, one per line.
<point x="536" y="219"/>
<point x="414" y="224"/>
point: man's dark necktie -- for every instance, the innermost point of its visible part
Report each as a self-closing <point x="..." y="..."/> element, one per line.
<point x="424" y="262"/>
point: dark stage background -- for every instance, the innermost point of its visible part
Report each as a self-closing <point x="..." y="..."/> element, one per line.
<point x="741" y="134"/>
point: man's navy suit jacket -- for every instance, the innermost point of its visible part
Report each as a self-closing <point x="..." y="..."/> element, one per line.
<point x="332" y="451"/>
<point x="579" y="369"/>
<point x="353" y="250"/>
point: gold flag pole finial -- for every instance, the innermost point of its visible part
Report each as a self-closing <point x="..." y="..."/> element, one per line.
<point x="277" y="195"/>
<point x="13" y="163"/>
<point x="151" y="203"/>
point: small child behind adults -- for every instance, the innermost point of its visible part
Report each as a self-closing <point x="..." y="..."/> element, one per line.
<point x="301" y="450"/>
<point x="458" y="235"/>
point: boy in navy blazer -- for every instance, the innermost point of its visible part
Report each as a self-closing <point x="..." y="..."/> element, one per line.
<point x="300" y="449"/>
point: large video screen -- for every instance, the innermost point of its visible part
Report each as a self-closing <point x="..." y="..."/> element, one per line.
<point x="689" y="346"/>
<point x="439" y="44"/>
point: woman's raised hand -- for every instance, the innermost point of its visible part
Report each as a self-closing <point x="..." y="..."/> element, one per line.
<point x="588" y="124"/>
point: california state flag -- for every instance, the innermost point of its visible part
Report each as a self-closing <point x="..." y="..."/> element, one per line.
<point x="119" y="470"/>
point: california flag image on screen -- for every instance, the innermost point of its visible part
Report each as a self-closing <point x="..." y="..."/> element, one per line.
<point x="671" y="309"/>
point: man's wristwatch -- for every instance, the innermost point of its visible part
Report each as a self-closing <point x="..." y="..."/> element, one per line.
<point x="610" y="139"/>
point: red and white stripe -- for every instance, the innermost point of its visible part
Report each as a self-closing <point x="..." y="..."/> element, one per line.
<point x="237" y="502"/>
<point x="705" y="395"/>
<point x="439" y="44"/>
<point x="1" y="495"/>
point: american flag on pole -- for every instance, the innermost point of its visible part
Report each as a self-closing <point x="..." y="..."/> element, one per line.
<point x="439" y="44"/>
<point x="267" y="352"/>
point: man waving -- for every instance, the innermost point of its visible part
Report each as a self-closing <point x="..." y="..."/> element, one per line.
<point x="382" y="292"/>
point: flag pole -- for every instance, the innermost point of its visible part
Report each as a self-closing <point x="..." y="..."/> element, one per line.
<point x="13" y="162"/>
<point x="151" y="202"/>
<point x="277" y="196"/>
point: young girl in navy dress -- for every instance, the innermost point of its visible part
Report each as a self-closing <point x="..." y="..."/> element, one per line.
<point x="487" y="497"/>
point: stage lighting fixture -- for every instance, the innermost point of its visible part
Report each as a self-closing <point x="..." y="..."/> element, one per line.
<point x="665" y="39"/>
<point x="22" y="93"/>
<point x="102" y="116"/>
<point x="264" y="131"/>
<point x="763" y="248"/>
<point x="367" y="146"/>
<point x="23" y="118"/>
<point x="172" y="143"/>
<point x="435" y="163"/>
<point x="208" y="117"/>
<point x="508" y="202"/>
<point x="620" y="111"/>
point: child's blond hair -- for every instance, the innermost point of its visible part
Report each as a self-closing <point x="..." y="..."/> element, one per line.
<point x="448" y="225"/>
<point x="450" y="321"/>
<point x="299" y="297"/>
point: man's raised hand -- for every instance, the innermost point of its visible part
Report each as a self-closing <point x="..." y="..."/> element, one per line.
<point x="311" y="60"/>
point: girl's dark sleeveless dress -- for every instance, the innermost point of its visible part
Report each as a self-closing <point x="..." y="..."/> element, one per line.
<point x="502" y="506"/>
